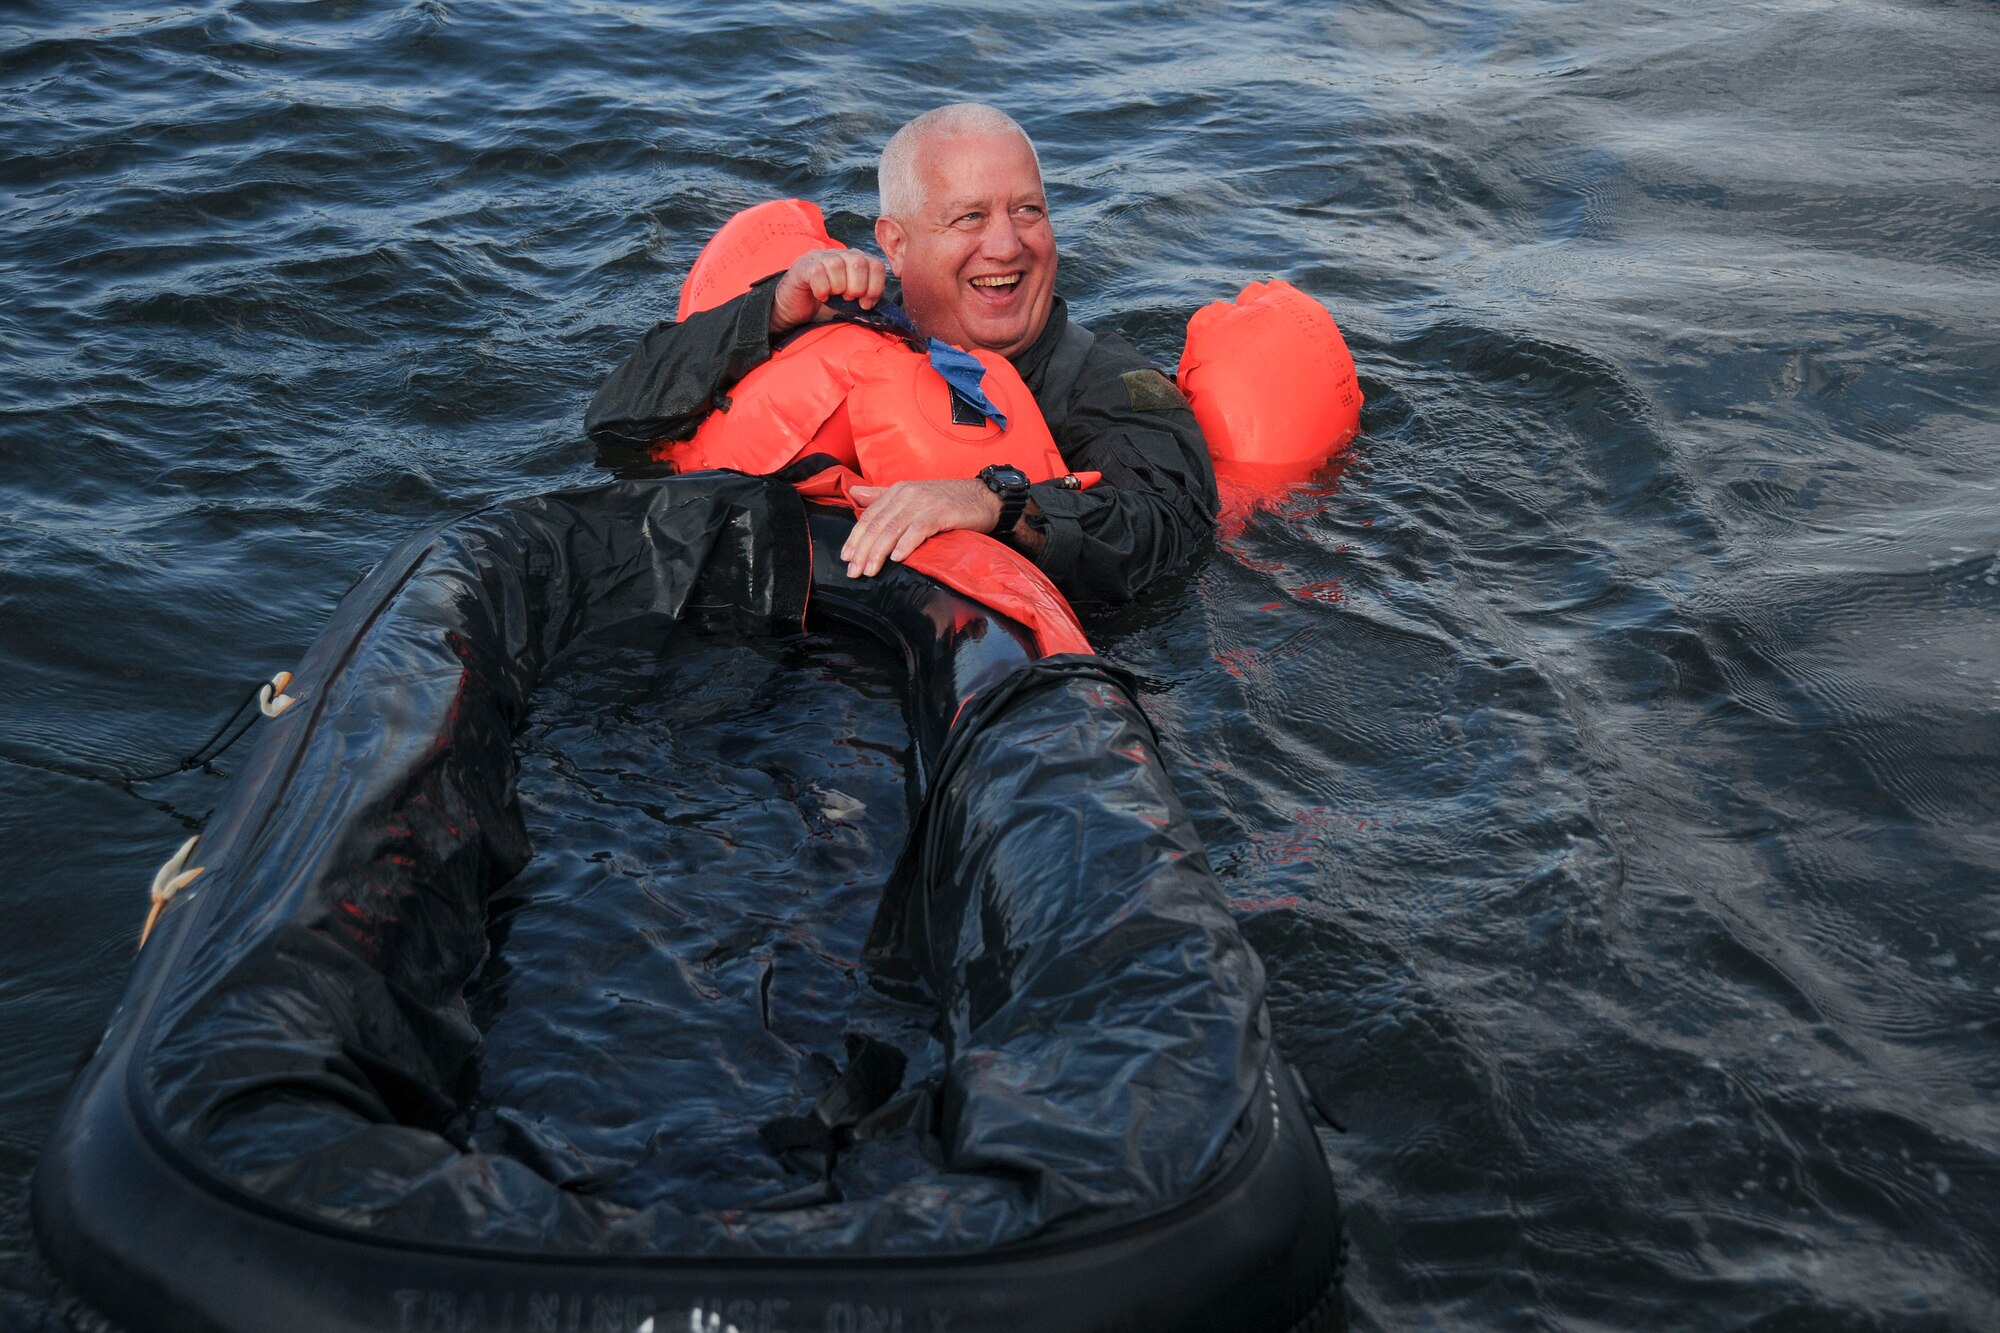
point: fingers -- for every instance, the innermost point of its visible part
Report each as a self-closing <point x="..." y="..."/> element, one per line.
<point x="847" y="273"/>
<point x="820" y="275"/>
<point x="896" y="520"/>
<point x="888" y="529"/>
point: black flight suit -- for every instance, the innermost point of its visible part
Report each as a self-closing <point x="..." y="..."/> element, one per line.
<point x="1147" y="518"/>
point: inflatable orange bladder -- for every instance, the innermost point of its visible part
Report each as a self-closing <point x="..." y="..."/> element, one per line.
<point x="756" y="243"/>
<point x="1271" y="381"/>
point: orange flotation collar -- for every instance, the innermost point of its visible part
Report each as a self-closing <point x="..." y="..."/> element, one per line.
<point x="873" y="403"/>
<point x="759" y="241"/>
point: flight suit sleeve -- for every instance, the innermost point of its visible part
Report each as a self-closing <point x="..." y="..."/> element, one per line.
<point x="668" y="384"/>
<point x="1155" y="507"/>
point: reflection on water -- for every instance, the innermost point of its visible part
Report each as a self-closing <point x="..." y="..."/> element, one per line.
<point x="1603" y="760"/>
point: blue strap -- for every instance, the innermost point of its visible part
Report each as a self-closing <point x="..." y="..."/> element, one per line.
<point x="962" y="371"/>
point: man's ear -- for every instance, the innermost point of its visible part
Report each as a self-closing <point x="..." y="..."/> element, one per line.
<point x="889" y="234"/>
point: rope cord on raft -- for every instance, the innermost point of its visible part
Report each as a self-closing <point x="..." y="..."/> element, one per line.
<point x="176" y="874"/>
<point x="271" y="700"/>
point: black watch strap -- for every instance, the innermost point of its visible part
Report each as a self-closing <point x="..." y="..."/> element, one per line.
<point x="1011" y="485"/>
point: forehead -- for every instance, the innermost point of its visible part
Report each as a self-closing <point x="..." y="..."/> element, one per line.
<point x="969" y="168"/>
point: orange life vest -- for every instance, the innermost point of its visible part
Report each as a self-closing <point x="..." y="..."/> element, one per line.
<point x="900" y="411"/>
<point x="879" y="408"/>
<point x="873" y="403"/>
<point x="865" y="398"/>
<point x="793" y="405"/>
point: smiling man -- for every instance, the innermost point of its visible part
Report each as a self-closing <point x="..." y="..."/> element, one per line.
<point x="965" y="226"/>
<point x="965" y="223"/>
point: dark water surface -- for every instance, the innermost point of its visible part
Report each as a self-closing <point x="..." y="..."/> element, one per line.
<point x="1606" y="762"/>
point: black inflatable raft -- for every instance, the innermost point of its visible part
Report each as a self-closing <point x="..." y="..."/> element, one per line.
<point x="267" y="1138"/>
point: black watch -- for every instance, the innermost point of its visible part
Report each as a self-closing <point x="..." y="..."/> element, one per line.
<point x="1011" y="485"/>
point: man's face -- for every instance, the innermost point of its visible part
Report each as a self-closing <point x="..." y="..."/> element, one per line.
<point x="978" y="261"/>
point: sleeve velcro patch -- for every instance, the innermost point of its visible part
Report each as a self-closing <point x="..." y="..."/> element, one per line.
<point x="1150" y="391"/>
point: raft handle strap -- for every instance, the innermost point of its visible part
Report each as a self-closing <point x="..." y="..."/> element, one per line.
<point x="169" y="880"/>
<point x="271" y="697"/>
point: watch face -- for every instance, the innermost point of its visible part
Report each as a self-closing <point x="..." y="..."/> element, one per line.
<point x="1010" y="476"/>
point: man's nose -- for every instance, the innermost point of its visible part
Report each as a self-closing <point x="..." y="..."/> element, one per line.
<point x="1001" y="239"/>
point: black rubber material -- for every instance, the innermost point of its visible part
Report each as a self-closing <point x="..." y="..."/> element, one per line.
<point x="148" y="1235"/>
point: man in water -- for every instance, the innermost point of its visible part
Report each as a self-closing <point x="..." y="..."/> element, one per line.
<point x="966" y="229"/>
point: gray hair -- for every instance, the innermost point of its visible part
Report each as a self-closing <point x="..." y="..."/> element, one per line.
<point x="902" y="193"/>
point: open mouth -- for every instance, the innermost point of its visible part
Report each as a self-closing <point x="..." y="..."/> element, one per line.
<point x="998" y="282"/>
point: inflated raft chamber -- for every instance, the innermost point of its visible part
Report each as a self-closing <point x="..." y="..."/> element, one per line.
<point x="1084" y="1127"/>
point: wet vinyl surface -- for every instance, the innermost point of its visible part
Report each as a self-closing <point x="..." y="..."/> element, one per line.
<point x="1603" y="759"/>
<point x="680" y="965"/>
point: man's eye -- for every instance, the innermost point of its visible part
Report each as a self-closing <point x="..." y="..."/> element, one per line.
<point x="970" y="219"/>
<point x="1030" y="212"/>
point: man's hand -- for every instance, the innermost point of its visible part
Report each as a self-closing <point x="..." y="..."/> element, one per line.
<point x="896" y="520"/>
<point x="819" y="275"/>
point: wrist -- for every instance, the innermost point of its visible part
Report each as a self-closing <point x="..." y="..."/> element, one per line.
<point x="1031" y="534"/>
<point x="1009" y="486"/>
<point x="771" y="291"/>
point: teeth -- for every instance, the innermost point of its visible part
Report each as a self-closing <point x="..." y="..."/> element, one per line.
<point x="1005" y="281"/>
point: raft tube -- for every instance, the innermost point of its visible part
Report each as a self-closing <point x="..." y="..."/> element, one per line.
<point x="265" y="1136"/>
